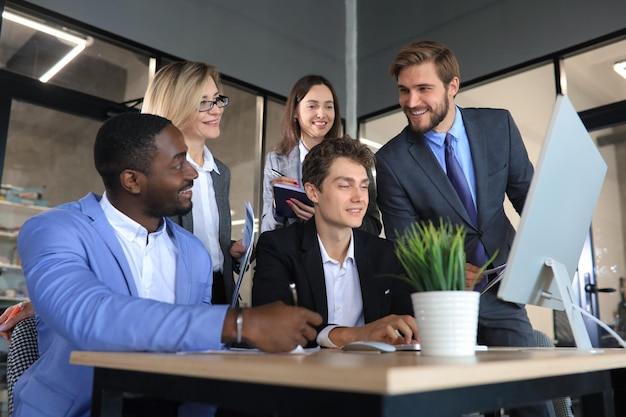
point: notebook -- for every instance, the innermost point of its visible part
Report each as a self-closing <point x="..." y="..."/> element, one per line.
<point x="282" y="193"/>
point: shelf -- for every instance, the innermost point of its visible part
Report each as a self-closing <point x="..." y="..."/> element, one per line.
<point x="10" y="267"/>
<point x="13" y="215"/>
<point x="12" y="300"/>
<point x="9" y="235"/>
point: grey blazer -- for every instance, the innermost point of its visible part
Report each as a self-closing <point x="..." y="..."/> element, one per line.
<point x="412" y="186"/>
<point x="290" y="166"/>
<point x="222" y="291"/>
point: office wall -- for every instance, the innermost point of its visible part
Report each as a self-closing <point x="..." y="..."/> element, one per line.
<point x="486" y="35"/>
<point x="268" y="43"/>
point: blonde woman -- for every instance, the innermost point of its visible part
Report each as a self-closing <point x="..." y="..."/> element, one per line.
<point x="188" y="93"/>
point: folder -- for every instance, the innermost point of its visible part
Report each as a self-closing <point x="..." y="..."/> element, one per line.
<point x="282" y="193"/>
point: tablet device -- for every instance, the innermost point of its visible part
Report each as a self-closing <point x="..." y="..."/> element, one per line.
<point x="282" y="193"/>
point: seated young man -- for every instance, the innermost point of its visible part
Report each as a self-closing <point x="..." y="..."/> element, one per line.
<point x="114" y="273"/>
<point x="342" y="273"/>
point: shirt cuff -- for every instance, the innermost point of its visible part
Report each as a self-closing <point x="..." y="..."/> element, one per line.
<point x="324" y="340"/>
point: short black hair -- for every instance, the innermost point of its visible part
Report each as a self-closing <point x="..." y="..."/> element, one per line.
<point x="126" y="141"/>
<point x="319" y="159"/>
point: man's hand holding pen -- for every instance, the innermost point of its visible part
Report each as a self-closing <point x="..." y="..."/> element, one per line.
<point x="297" y="326"/>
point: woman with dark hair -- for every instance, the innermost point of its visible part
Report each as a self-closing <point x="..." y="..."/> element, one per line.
<point x="311" y="115"/>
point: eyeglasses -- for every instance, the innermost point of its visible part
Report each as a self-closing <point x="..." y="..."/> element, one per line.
<point x="206" y="105"/>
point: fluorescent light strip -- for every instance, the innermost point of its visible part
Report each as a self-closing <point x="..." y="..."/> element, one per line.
<point x="62" y="63"/>
<point x="620" y="68"/>
<point x="80" y="43"/>
<point x="43" y="28"/>
<point x="370" y="143"/>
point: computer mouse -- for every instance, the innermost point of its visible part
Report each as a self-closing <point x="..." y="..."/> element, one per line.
<point x="369" y="346"/>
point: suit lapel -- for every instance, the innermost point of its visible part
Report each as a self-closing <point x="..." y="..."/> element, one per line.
<point x="311" y="258"/>
<point x="183" y="289"/>
<point x="423" y="155"/>
<point x="91" y="207"/>
<point x="369" y="286"/>
<point x="478" y="146"/>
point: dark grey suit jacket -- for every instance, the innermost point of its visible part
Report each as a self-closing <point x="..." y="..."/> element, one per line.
<point x="412" y="186"/>
<point x="292" y="254"/>
<point x="222" y="291"/>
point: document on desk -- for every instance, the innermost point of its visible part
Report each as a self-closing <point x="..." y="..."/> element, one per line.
<point x="299" y="350"/>
<point x="247" y="241"/>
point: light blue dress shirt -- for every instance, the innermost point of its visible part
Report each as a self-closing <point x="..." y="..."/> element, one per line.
<point x="461" y="149"/>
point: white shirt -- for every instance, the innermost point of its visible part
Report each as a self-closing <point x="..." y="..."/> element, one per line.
<point x="303" y="151"/>
<point x="343" y="293"/>
<point x="151" y="256"/>
<point x="206" y="220"/>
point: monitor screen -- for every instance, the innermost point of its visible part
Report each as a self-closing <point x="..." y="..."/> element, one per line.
<point x="557" y="214"/>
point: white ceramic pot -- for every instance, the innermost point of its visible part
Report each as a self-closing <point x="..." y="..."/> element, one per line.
<point x="447" y="321"/>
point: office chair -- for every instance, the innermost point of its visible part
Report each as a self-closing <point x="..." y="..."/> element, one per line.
<point x="562" y="407"/>
<point x="23" y="352"/>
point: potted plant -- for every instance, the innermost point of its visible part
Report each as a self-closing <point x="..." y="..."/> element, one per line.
<point x="433" y="258"/>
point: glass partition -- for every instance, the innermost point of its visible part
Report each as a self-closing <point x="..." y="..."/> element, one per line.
<point x="43" y="50"/>
<point x="53" y="155"/>
<point x="592" y="81"/>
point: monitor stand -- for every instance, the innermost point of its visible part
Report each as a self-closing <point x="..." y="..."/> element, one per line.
<point x="566" y="294"/>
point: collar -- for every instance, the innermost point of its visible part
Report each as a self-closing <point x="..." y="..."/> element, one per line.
<point x="124" y="225"/>
<point x="457" y="129"/>
<point x="209" y="162"/>
<point x="349" y="255"/>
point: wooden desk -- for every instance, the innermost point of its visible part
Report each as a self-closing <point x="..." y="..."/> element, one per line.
<point x="336" y="383"/>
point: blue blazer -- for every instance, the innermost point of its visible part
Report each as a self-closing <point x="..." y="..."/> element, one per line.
<point x="85" y="298"/>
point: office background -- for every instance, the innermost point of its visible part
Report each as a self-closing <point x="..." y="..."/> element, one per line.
<point x="512" y="54"/>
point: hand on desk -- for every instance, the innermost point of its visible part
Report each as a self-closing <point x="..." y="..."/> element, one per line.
<point x="392" y="329"/>
<point x="274" y="327"/>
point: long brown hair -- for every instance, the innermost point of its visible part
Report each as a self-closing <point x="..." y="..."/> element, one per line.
<point x="290" y="128"/>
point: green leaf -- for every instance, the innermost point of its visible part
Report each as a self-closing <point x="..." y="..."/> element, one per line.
<point x="433" y="257"/>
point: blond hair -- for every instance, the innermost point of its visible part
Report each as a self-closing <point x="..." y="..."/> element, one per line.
<point x="176" y="90"/>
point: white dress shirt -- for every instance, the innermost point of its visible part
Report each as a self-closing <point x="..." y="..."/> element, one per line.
<point x="151" y="256"/>
<point x="206" y="220"/>
<point x="343" y="293"/>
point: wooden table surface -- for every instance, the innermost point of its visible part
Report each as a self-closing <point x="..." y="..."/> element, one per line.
<point x="387" y="373"/>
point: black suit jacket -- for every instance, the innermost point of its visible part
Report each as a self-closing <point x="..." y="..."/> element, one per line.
<point x="293" y="254"/>
<point x="412" y="186"/>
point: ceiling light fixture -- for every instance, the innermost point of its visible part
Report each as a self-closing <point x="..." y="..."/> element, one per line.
<point x="620" y="68"/>
<point x="80" y="43"/>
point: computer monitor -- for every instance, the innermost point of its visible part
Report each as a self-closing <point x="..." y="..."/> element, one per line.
<point x="556" y="219"/>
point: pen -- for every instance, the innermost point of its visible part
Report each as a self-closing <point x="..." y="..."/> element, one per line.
<point x="277" y="173"/>
<point x="294" y="293"/>
<point x="16" y="310"/>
